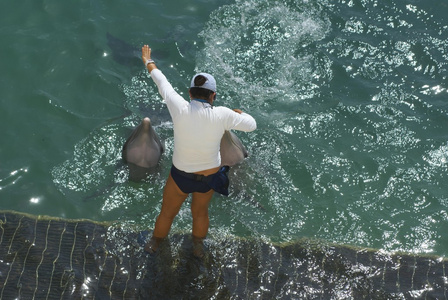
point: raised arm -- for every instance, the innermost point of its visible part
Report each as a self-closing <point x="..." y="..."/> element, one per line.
<point x="173" y="100"/>
<point x="146" y="57"/>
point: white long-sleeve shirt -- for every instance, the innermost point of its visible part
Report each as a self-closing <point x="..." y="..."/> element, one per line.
<point x="198" y="127"/>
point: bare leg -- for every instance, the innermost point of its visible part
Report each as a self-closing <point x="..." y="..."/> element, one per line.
<point x="173" y="198"/>
<point x="199" y="210"/>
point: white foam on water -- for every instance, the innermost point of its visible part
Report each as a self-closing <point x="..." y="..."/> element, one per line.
<point x="438" y="157"/>
<point x="256" y="49"/>
<point x="348" y="170"/>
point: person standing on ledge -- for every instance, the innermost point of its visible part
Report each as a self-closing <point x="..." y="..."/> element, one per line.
<point x="198" y="129"/>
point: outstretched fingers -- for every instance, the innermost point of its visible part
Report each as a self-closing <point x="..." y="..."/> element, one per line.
<point x="146" y="53"/>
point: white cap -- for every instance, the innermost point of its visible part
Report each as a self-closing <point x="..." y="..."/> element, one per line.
<point x="210" y="83"/>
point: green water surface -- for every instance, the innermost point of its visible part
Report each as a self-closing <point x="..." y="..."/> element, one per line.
<point x="350" y="98"/>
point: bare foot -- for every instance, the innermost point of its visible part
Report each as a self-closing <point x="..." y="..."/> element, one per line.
<point x="152" y="245"/>
<point x="198" y="247"/>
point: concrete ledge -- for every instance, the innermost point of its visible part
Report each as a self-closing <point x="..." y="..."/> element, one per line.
<point x="53" y="258"/>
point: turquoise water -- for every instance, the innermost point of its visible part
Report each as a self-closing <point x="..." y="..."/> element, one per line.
<point x="350" y="99"/>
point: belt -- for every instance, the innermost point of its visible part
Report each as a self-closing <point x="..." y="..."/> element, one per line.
<point x="193" y="176"/>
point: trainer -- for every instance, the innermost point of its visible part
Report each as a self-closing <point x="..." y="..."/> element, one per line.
<point x="198" y="129"/>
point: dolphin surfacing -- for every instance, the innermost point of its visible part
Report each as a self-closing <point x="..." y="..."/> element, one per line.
<point x="232" y="150"/>
<point x="142" y="150"/>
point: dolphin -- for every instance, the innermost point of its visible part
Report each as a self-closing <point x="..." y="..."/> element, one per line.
<point x="232" y="150"/>
<point x="142" y="150"/>
<point x="232" y="153"/>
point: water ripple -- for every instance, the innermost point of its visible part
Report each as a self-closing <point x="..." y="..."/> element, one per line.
<point x="12" y="178"/>
<point x="349" y="98"/>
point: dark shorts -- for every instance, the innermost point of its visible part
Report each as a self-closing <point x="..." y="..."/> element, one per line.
<point x="194" y="183"/>
<point x="188" y="185"/>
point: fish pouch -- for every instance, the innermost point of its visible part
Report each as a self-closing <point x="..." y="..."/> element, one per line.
<point x="219" y="181"/>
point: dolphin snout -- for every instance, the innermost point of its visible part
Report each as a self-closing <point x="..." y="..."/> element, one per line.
<point x="146" y="123"/>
